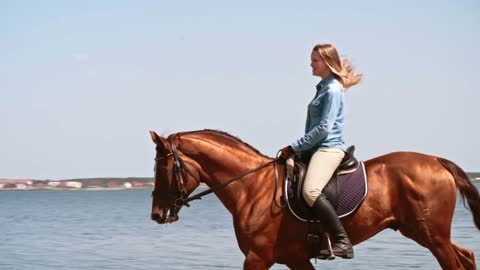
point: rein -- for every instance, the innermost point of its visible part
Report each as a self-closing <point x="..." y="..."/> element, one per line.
<point x="180" y="167"/>
<point x="220" y="186"/>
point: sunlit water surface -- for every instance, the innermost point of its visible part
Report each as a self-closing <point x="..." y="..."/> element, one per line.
<point x="50" y="230"/>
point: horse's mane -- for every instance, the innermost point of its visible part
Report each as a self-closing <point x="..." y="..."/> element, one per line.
<point x="225" y="135"/>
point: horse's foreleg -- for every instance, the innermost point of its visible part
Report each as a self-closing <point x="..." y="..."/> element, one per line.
<point x="255" y="262"/>
<point x="466" y="257"/>
<point x="306" y="265"/>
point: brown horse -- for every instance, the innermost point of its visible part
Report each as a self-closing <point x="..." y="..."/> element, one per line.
<point x="411" y="192"/>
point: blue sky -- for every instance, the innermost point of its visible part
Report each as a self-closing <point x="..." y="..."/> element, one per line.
<point x="82" y="82"/>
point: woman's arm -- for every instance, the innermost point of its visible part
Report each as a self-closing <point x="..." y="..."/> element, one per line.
<point x="329" y="107"/>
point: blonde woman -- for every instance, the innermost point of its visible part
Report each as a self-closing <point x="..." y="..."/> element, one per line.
<point x="324" y="138"/>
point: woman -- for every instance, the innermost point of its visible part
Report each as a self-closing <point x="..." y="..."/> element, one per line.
<point x="324" y="139"/>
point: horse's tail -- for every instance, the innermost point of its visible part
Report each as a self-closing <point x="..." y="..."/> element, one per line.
<point x="466" y="188"/>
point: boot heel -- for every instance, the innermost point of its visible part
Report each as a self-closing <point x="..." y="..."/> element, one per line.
<point x="346" y="255"/>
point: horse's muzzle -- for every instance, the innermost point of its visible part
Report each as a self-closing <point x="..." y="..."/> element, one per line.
<point x="164" y="215"/>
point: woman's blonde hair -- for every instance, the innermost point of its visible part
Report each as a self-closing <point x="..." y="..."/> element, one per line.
<point x="342" y="69"/>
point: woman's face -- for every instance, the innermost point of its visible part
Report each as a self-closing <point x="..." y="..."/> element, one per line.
<point x="319" y="68"/>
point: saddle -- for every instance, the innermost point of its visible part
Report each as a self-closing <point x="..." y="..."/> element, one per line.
<point x="345" y="190"/>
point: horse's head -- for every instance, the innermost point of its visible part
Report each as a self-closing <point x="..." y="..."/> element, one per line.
<point x="176" y="176"/>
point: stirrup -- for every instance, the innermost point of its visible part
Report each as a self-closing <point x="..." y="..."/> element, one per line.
<point x="347" y="254"/>
<point x="327" y="254"/>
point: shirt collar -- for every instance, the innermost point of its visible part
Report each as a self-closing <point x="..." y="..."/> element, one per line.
<point x="324" y="82"/>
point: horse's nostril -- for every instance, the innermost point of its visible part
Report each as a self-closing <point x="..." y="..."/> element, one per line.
<point x="155" y="216"/>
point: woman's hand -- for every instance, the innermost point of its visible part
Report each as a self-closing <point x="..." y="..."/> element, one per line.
<point x="286" y="152"/>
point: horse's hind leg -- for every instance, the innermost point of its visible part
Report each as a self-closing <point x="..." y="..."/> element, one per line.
<point x="466" y="257"/>
<point x="427" y="214"/>
<point x="446" y="256"/>
<point x="440" y="246"/>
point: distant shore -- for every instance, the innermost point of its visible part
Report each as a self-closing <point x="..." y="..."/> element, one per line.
<point x="75" y="189"/>
<point x="86" y="189"/>
<point x="78" y="184"/>
<point x="100" y="184"/>
<point x="91" y="184"/>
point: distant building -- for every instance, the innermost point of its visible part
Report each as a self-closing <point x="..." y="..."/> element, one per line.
<point x="149" y="184"/>
<point x="9" y="186"/>
<point x="112" y="184"/>
<point x="127" y="185"/>
<point x="21" y="186"/>
<point x="62" y="184"/>
<point x="53" y="183"/>
<point x="16" y="181"/>
<point x="93" y="184"/>
<point x="39" y="185"/>
<point x="73" y="184"/>
<point x="137" y="184"/>
<point x="70" y="184"/>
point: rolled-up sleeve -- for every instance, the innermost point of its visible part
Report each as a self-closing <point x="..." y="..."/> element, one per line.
<point x="329" y="107"/>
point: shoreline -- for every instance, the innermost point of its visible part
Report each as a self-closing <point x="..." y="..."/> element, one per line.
<point x="75" y="189"/>
<point x="202" y="185"/>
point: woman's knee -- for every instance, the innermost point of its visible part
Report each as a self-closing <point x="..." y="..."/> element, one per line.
<point x="310" y="195"/>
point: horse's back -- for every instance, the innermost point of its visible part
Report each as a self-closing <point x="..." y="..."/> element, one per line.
<point x="412" y="167"/>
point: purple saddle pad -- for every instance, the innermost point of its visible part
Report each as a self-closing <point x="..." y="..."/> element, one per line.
<point x="348" y="193"/>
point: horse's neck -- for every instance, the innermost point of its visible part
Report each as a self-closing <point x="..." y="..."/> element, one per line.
<point x="221" y="164"/>
<point x="240" y="193"/>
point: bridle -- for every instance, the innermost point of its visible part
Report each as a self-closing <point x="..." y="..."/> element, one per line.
<point x="180" y="169"/>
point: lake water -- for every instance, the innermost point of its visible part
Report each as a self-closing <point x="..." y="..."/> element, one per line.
<point x="50" y="230"/>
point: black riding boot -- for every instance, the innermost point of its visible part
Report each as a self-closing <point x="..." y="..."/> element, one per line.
<point x="341" y="246"/>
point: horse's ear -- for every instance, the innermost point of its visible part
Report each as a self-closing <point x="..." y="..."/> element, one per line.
<point x="155" y="137"/>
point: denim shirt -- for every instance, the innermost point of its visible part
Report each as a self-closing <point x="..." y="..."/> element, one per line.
<point x="325" y="119"/>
